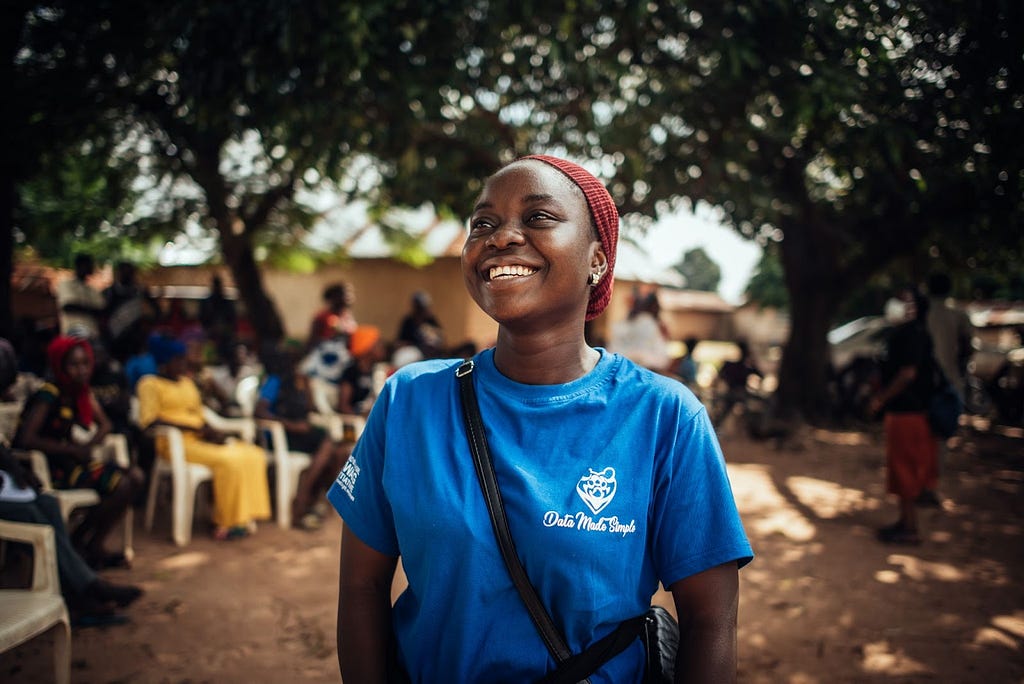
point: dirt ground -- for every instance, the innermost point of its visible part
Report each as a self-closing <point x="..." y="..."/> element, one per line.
<point x="822" y="601"/>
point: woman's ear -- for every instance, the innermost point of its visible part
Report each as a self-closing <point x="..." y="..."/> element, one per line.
<point x="598" y="259"/>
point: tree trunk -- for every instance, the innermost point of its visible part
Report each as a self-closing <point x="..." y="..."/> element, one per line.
<point x="813" y="281"/>
<point x="239" y="256"/>
<point x="6" y="251"/>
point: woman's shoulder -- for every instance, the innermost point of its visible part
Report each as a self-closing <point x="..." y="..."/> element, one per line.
<point x="651" y="386"/>
<point x="46" y="393"/>
<point x="426" y="372"/>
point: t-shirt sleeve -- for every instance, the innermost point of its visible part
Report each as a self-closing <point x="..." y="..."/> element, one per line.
<point x="358" y="492"/>
<point x="695" y="523"/>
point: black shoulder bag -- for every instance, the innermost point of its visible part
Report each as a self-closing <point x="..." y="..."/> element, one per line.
<point x="656" y="627"/>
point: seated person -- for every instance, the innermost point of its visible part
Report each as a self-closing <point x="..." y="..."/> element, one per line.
<point x="65" y="421"/>
<point x="90" y="600"/>
<point x="240" y="492"/>
<point x="355" y="388"/>
<point x="735" y="375"/>
<point x="284" y="396"/>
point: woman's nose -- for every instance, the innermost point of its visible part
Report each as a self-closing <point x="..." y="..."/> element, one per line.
<point x="507" y="234"/>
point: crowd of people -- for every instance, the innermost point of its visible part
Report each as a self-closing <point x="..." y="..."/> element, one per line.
<point x="117" y="367"/>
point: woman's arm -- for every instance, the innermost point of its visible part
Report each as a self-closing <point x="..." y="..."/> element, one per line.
<point x="32" y="438"/>
<point x="103" y="424"/>
<point x="364" y="610"/>
<point x="345" y="393"/>
<point x="706" y="604"/>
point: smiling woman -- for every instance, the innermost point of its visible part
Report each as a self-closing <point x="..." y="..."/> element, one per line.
<point x="610" y="476"/>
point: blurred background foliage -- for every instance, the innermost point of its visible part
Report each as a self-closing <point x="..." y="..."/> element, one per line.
<point x="858" y="141"/>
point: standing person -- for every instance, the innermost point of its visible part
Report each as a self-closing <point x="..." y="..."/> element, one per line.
<point x="240" y="492"/>
<point x="130" y="312"/>
<point x="80" y="304"/>
<point x="420" y="328"/>
<point x="951" y="332"/>
<point x="642" y="337"/>
<point x="335" y="319"/>
<point x="907" y="385"/>
<point x="576" y="433"/>
<point x="65" y="421"/>
<point x="219" y="318"/>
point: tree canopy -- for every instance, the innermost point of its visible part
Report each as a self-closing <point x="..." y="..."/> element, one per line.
<point x="851" y="134"/>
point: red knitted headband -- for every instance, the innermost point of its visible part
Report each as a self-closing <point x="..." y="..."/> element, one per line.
<point x="606" y="220"/>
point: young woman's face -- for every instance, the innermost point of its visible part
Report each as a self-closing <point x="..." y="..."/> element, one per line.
<point x="531" y="247"/>
<point x="78" y="366"/>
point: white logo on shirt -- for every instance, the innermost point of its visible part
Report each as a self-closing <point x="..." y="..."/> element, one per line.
<point x="597" y="489"/>
<point x="348" y="476"/>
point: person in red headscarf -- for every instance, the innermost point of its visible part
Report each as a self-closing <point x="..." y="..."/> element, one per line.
<point x="610" y="474"/>
<point x="64" y="420"/>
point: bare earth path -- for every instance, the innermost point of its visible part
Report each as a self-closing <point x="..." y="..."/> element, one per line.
<point x="823" y="602"/>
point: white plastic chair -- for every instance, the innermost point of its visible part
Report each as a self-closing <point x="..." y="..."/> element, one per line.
<point x="342" y="427"/>
<point x="185" y="477"/>
<point x="27" y="613"/>
<point x="115" y="448"/>
<point x="288" y="465"/>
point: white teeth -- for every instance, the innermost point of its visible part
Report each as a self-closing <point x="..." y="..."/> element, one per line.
<point x="510" y="271"/>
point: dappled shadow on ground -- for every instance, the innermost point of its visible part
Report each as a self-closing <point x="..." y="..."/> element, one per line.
<point x="825" y="602"/>
<point x="822" y="602"/>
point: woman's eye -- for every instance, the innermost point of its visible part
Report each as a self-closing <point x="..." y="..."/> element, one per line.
<point x="479" y="225"/>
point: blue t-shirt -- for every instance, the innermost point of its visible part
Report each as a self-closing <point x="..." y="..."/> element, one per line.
<point x="611" y="483"/>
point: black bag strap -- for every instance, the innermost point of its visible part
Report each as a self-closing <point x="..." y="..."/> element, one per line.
<point x="571" y="668"/>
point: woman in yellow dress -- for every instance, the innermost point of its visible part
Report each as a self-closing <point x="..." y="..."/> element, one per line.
<point x="240" y="492"/>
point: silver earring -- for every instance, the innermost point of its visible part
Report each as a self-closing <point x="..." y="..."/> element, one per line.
<point x="595" y="278"/>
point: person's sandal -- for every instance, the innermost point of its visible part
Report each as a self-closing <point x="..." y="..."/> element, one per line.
<point x="310" y="522"/>
<point x="897" y="534"/>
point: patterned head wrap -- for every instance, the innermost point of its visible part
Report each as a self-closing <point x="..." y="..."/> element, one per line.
<point x="606" y="221"/>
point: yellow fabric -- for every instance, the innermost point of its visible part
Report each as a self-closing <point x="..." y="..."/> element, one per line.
<point x="240" y="490"/>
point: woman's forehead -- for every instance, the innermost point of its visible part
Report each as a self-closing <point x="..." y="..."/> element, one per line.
<point x="540" y="177"/>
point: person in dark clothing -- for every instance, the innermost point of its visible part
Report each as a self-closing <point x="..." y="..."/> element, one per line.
<point x="218" y="317"/>
<point x="907" y="385"/>
<point x="420" y="328"/>
<point x="734" y="375"/>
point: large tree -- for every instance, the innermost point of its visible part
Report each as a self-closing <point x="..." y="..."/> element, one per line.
<point x="850" y="133"/>
<point x="225" y="110"/>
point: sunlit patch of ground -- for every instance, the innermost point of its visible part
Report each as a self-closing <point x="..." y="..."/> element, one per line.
<point x="881" y="657"/>
<point x="765" y="510"/>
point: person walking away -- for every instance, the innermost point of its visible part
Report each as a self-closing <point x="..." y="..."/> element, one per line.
<point x="907" y="385"/>
<point x="78" y="303"/>
<point x="611" y="475"/>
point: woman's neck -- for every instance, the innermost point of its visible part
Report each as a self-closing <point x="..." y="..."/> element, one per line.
<point x="543" y="360"/>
